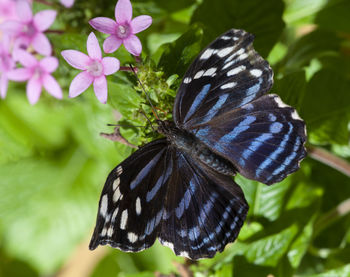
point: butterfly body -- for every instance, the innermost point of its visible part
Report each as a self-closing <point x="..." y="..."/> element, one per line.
<point x="179" y="189"/>
<point x="194" y="147"/>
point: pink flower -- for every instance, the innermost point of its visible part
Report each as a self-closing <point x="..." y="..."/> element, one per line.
<point x="122" y="30"/>
<point x="38" y="74"/>
<point x="7" y="10"/>
<point x="28" y="29"/>
<point x="67" y="3"/>
<point x="95" y="69"/>
<point x="6" y="64"/>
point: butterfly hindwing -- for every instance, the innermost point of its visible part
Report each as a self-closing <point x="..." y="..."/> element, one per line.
<point x="132" y="199"/>
<point x="226" y="75"/>
<point x="204" y="210"/>
<point x="264" y="139"/>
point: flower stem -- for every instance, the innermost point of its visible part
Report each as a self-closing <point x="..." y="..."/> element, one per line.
<point x="329" y="159"/>
<point x="60" y="32"/>
<point x="127" y="68"/>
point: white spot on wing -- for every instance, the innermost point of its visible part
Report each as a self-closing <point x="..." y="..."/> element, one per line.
<point x="119" y="170"/>
<point x="256" y="72"/>
<point x="168" y="244"/>
<point x="295" y="115"/>
<point x="236" y="70"/>
<point x="116" y="195"/>
<point x="243" y="56"/>
<point x="225" y="37"/>
<point x="184" y="254"/>
<point x="138" y="206"/>
<point x="224" y="52"/>
<point x="187" y="80"/>
<point x="207" y="54"/>
<point x="104" y="205"/>
<point x="104" y="232"/>
<point x="228" y="85"/>
<point x="116" y="183"/>
<point x="280" y="103"/>
<point x="110" y="231"/>
<point x="132" y="237"/>
<point x="198" y="74"/>
<point x="124" y="219"/>
<point x="114" y="215"/>
<point x="210" y="72"/>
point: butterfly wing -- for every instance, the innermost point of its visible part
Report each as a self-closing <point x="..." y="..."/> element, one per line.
<point x="131" y="203"/>
<point x="204" y="210"/>
<point x="160" y="192"/>
<point x="264" y="139"/>
<point x="226" y="75"/>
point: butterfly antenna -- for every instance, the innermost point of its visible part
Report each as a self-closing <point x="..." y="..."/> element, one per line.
<point x="125" y="125"/>
<point x="147" y="96"/>
<point x="149" y="121"/>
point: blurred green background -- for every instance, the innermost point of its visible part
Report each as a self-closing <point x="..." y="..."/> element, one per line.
<point x="53" y="163"/>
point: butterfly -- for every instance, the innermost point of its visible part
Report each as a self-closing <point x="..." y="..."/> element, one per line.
<point x="179" y="188"/>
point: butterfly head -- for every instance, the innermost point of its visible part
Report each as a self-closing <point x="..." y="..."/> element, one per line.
<point x="165" y="127"/>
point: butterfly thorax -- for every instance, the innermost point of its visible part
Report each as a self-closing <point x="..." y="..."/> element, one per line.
<point x="189" y="144"/>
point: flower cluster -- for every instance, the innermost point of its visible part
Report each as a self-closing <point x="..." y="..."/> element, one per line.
<point x="23" y="42"/>
<point x="25" y="51"/>
<point x="95" y="68"/>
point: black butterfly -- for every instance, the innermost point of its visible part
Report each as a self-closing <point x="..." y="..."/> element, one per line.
<point x="179" y="188"/>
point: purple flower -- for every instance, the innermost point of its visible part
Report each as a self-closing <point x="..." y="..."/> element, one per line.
<point x="122" y="30"/>
<point x="95" y="69"/>
<point x="28" y="29"/>
<point x="6" y="64"/>
<point x="38" y="74"/>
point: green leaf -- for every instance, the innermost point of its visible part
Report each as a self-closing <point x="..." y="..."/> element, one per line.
<point x="291" y="88"/>
<point x="317" y="44"/>
<point x="124" y="98"/>
<point x="300" y="245"/>
<point x="269" y="250"/>
<point x="299" y="12"/>
<point x="335" y="16"/>
<point x="341" y="271"/>
<point x="178" y="55"/>
<point x="259" y="17"/>
<point x="265" y="201"/>
<point x="328" y="120"/>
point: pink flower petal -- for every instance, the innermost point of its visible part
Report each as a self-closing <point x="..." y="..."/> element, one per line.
<point x="111" y="44"/>
<point x="140" y="23"/>
<point x="123" y="11"/>
<point x="93" y="47"/>
<point x="100" y="89"/>
<point x="25" y="58"/>
<point x="52" y="87"/>
<point x="21" y="43"/>
<point x="19" y="74"/>
<point x="41" y="44"/>
<point x="33" y="90"/>
<point x="103" y="24"/>
<point x="44" y="19"/>
<point x="11" y="27"/>
<point x="24" y="11"/>
<point x="67" y="3"/>
<point x="80" y="83"/>
<point x="76" y="59"/>
<point x="133" y="45"/>
<point x="3" y="85"/>
<point x="49" y="64"/>
<point x="110" y="65"/>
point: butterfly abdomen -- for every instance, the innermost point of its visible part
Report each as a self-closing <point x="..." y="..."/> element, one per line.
<point x="197" y="150"/>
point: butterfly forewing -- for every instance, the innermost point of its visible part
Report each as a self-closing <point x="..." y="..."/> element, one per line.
<point x="132" y="200"/>
<point x="264" y="139"/>
<point x="226" y="75"/>
<point x="204" y="210"/>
